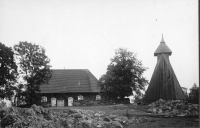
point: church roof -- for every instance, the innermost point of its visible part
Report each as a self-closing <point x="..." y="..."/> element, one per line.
<point x="71" y="81"/>
<point x="162" y="48"/>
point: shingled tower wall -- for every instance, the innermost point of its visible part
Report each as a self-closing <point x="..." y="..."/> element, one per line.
<point x="164" y="83"/>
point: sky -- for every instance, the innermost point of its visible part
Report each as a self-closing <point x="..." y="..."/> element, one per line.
<point x="84" y="34"/>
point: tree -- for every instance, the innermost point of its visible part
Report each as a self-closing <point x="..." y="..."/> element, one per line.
<point x="138" y="98"/>
<point x="8" y="72"/>
<point x="35" y="68"/>
<point x="194" y="94"/>
<point x="124" y="75"/>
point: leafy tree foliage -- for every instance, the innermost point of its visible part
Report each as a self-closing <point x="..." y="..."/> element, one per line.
<point x="35" y="68"/>
<point x="194" y="94"/>
<point x="124" y="75"/>
<point x="8" y="72"/>
<point x="138" y="98"/>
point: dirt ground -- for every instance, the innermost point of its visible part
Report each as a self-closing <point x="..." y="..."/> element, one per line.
<point x="157" y="122"/>
<point x="154" y="121"/>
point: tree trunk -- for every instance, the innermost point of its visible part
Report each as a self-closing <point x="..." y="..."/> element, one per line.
<point x="31" y="98"/>
<point x="15" y="102"/>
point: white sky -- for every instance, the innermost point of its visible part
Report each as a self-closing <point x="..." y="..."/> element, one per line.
<point x="83" y="34"/>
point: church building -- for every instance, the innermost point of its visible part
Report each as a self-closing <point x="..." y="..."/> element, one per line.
<point x="68" y="85"/>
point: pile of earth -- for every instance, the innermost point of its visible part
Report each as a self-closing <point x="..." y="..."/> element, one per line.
<point x="38" y="117"/>
<point x="170" y="108"/>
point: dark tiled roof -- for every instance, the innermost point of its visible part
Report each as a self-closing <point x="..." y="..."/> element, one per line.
<point x="71" y="81"/>
<point x="162" y="48"/>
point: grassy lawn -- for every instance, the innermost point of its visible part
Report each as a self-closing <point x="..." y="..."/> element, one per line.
<point x="132" y="109"/>
<point x="105" y="108"/>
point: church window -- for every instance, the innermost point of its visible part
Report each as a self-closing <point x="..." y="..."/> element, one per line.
<point x="44" y="99"/>
<point x="98" y="97"/>
<point x="80" y="97"/>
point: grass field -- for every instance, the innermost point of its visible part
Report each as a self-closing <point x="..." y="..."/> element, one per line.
<point x="155" y="120"/>
<point x="106" y="108"/>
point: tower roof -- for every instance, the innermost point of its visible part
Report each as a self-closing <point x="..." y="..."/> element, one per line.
<point x="164" y="83"/>
<point x="162" y="48"/>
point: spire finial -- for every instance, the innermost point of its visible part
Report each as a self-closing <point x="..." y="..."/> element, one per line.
<point x="162" y="41"/>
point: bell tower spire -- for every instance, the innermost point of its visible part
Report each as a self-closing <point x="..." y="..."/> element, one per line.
<point x="162" y="41"/>
<point x="164" y="83"/>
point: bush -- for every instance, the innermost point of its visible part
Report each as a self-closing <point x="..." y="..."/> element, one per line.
<point x="86" y="102"/>
<point x="123" y="101"/>
<point x="5" y="103"/>
<point x="2" y="104"/>
<point x="25" y="106"/>
<point x="45" y="104"/>
<point x="194" y="95"/>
